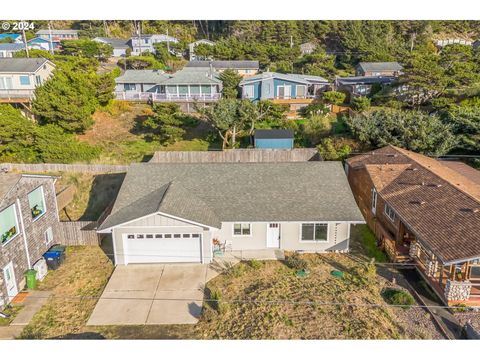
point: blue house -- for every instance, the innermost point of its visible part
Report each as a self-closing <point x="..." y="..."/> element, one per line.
<point x="16" y="38"/>
<point x="274" y="138"/>
<point x="294" y="90"/>
<point x="43" y="44"/>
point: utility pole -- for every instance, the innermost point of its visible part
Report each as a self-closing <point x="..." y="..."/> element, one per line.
<point x="25" y="41"/>
<point x="50" y="37"/>
<point x="291" y="41"/>
<point x="168" y="42"/>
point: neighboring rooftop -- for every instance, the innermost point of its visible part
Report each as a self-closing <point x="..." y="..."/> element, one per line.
<point x="380" y="66"/>
<point x="9" y="36"/>
<point x="300" y="78"/>
<point x="274" y="134"/>
<point x="142" y="76"/>
<point x="203" y="192"/>
<point x="229" y="64"/>
<point x="358" y="80"/>
<point x="12" y="46"/>
<point x="193" y="76"/>
<point x="21" y="65"/>
<point x="56" y="32"/>
<point x="115" y="43"/>
<point x="438" y="204"/>
<point x="7" y="182"/>
<point x="463" y="169"/>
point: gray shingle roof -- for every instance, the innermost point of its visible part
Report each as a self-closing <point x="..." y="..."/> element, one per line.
<point x="115" y="43"/>
<point x="225" y="64"/>
<point x="7" y="181"/>
<point x="300" y="78"/>
<point x="193" y="76"/>
<point x="142" y="76"/>
<point x="380" y="66"/>
<point x="358" y="80"/>
<point x="12" y="46"/>
<point x="21" y="65"/>
<point x="274" y="134"/>
<point x="210" y="193"/>
<point x="56" y="32"/>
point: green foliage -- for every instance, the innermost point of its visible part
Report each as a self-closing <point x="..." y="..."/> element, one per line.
<point x="234" y="271"/>
<point x="413" y="130"/>
<point x="369" y="243"/>
<point x="330" y="150"/>
<point x="68" y="99"/>
<point x="334" y="97"/>
<point x="166" y="123"/>
<point x="86" y="48"/>
<point x="398" y="297"/>
<point x="465" y="122"/>
<point x="230" y="80"/>
<point x="255" y="264"/>
<point x="24" y="141"/>
<point x="360" y="103"/>
<point x="295" y="262"/>
<point x="316" y="127"/>
<point x="215" y="300"/>
<point x="142" y="62"/>
<point x="318" y="64"/>
<point x="315" y="109"/>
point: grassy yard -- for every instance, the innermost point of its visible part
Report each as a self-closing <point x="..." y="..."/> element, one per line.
<point x="11" y="311"/>
<point x="75" y="286"/>
<point x="93" y="195"/>
<point x="114" y="131"/>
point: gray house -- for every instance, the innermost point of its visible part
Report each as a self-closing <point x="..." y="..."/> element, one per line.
<point x="28" y="220"/>
<point x="183" y="212"/>
<point x="378" y="69"/>
<point x="146" y="42"/>
<point x="191" y="49"/>
<point x="188" y="85"/>
<point x="8" y="49"/>
<point x="242" y="67"/>
<point x="119" y="46"/>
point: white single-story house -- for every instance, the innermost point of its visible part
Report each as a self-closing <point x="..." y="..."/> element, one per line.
<point x="185" y="212"/>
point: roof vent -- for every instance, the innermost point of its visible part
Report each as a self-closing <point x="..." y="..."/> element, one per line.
<point x="418" y="202"/>
<point x="475" y="210"/>
<point x="412" y="169"/>
<point x="392" y="155"/>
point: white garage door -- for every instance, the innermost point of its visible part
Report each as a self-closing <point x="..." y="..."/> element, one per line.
<point x="162" y="248"/>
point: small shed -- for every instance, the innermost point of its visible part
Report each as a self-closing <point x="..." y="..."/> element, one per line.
<point x="274" y="138"/>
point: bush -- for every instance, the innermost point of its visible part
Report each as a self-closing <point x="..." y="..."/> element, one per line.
<point x="334" y="97"/>
<point x="360" y="103"/>
<point x="295" y="262"/>
<point x="255" y="264"/>
<point x="398" y="297"/>
<point x="234" y="270"/>
<point x="215" y="300"/>
<point x="331" y="151"/>
<point x="316" y="127"/>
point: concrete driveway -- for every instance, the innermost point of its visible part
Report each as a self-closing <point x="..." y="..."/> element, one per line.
<point x="152" y="294"/>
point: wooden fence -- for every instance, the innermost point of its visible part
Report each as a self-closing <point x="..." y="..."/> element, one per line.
<point x="78" y="233"/>
<point x="88" y="168"/>
<point x="238" y="155"/>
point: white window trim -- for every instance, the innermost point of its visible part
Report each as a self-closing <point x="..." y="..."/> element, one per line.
<point x="374" y="201"/>
<point x="241" y="229"/>
<point x="44" y="203"/>
<point x="314" y="241"/>
<point x="305" y="93"/>
<point x="16" y="224"/>
<point x="47" y="232"/>
<point x="386" y="214"/>
<point x="284" y="86"/>
<point x="245" y="94"/>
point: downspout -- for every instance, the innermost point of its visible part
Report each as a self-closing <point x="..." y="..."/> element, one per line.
<point x="24" y="234"/>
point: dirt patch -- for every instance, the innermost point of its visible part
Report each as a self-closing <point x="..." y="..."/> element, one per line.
<point x="75" y="287"/>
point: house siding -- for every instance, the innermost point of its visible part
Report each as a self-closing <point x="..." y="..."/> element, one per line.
<point x="274" y="143"/>
<point x="33" y="231"/>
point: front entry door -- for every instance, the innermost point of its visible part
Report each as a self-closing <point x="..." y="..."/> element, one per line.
<point x="273" y="235"/>
<point x="10" y="281"/>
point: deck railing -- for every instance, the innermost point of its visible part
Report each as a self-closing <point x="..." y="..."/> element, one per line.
<point x="15" y="93"/>
<point x="157" y="97"/>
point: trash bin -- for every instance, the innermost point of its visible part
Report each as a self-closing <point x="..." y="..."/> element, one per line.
<point x="31" y="279"/>
<point x="53" y="259"/>
<point x="61" y="250"/>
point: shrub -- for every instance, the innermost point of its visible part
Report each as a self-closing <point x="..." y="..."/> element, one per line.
<point x="398" y="297"/>
<point x="234" y="270"/>
<point x="296" y="262"/>
<point x="334" y="97"/>
<point x="316" y="127"/>
<point x="215" y="300"/>
<point x="330" y="150"/>
<point x="369" y="243"/>
<point x="255" y="264"/>
<point x="360" y="103"/>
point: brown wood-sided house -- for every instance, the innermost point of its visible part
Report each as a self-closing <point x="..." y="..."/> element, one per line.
<point x="425" y="212"/>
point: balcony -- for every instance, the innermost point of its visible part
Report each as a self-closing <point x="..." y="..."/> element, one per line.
<point x="15" y="96"/>
<point x="162" y="97"/>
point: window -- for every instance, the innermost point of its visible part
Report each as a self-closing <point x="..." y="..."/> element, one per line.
<point x="8" y="224"/>
<point x="183" y="89"/>
<point x="195" y="235"/>
<point x="6" y="83"/>
<point x="24" y="80"/>
<point x="186" y="235"/>
<point x="194" y="89"/>
<point x="301" y="91"/>
<point x="36" y="200"/>
<point x="168" y="236"/>
<point x="475" y="272"/>
<point x="176" y="236"/>
<point x="38" y="80"/>
<point x="249" y="91"/>
<point x="315" y="232"/>
<point x="140" y="236"/>
<point x="389" y="212"/>
<point x="158" y="236"/>
<point x="129" y="87"/>
<point x="206" y="89"/>
<point x="130" y="236"/>
<point x="171" y="89"/>
<point x="149" y="236"/>
<point x="48" y="236"/>
<point x="284" y="91"/>
<point x="241" y="229"/>
<point x="374" y="201"/>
